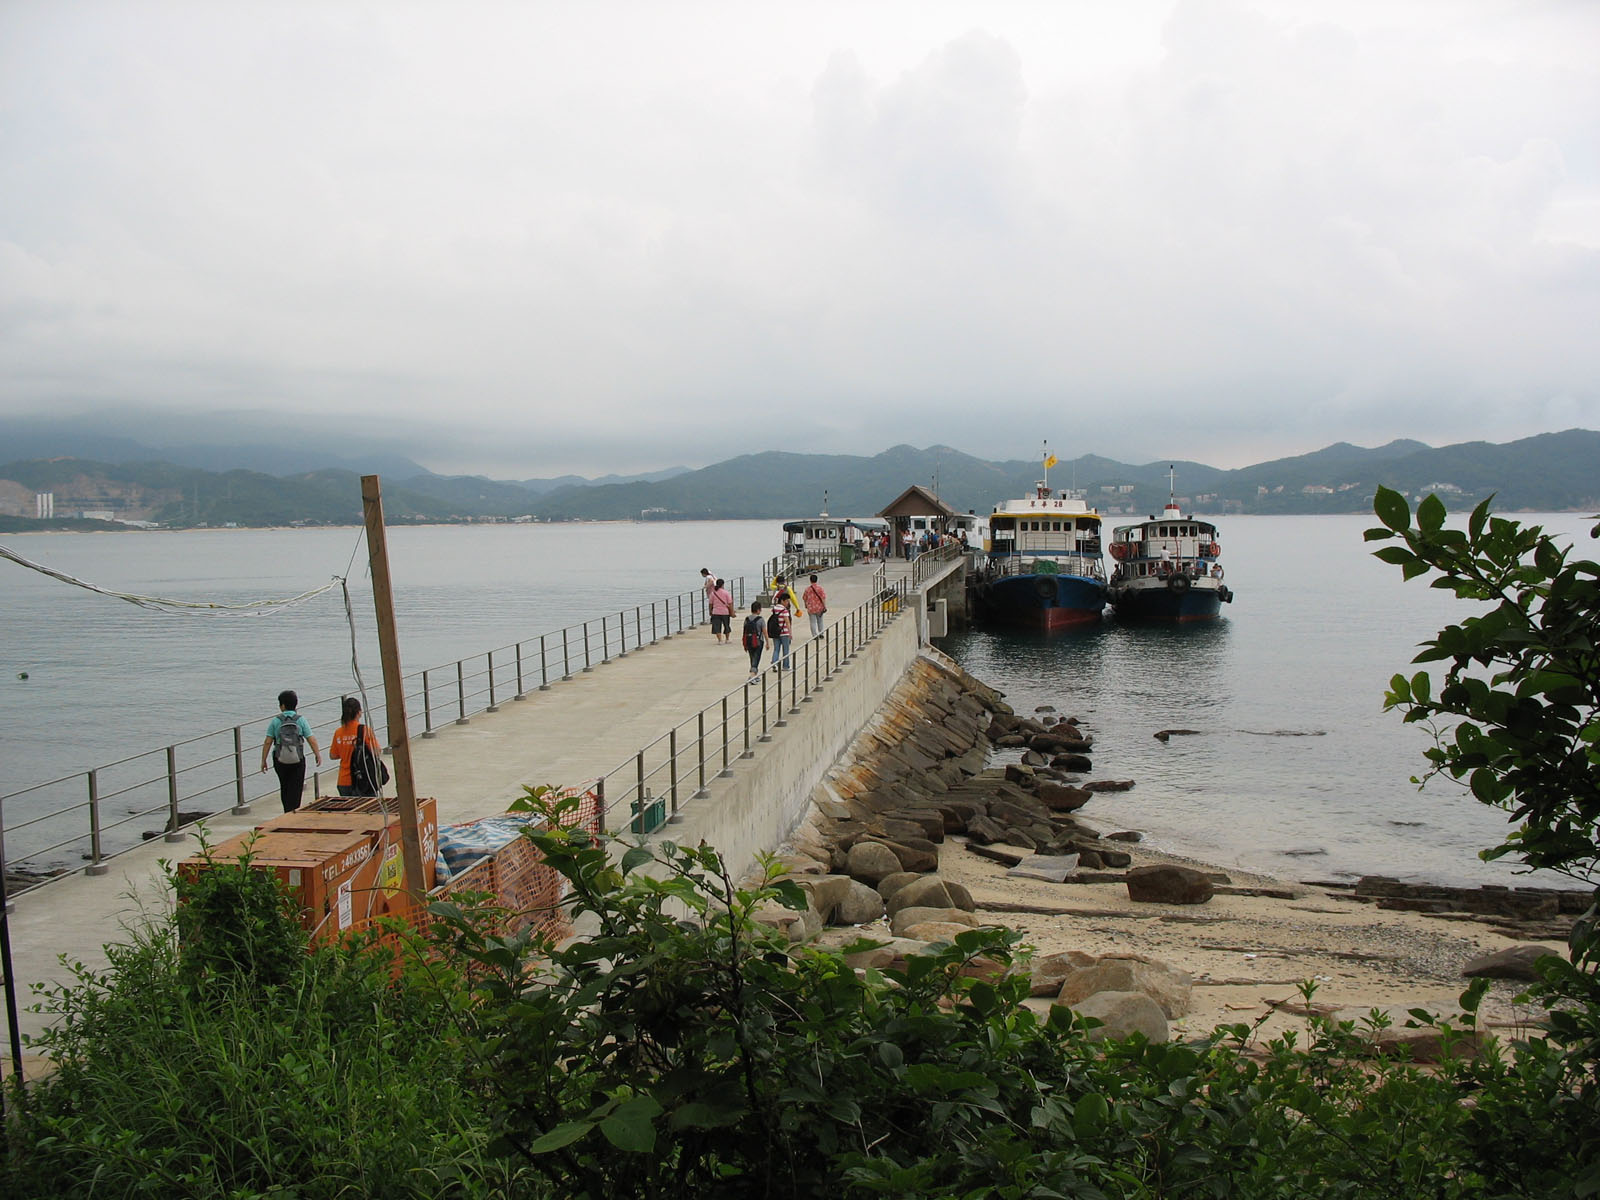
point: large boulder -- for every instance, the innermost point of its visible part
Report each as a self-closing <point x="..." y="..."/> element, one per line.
<point x="1061" y="797"/>
<point x="1169" y="885"/>
<point x="871" y="862"/>
<point x="890" y="884"/>
<point x="1167" y="986"/>
<point x="1050" y="971"/>
<point x="1514" y="962"/>
<point x="1123" y="1014"/>
<point x="859" y="905"/>
<point x="935" y="931"/>
<point x="825" y="893"/>
<point x="907" y="917"/>
<point x="798" y="925"/>
<point x="885" y="954"/>
<point x="931" y="892"/>
<point x="915" y="854"/>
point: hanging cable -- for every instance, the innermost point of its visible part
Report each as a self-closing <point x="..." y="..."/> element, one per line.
<point x="164" y="604"/>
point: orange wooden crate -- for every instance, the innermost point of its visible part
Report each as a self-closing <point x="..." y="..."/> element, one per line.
<point x="332" y="876"/>
<point x="384" y="831"/>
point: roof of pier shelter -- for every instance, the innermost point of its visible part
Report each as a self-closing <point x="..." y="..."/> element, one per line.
<point x="917" y="501"/>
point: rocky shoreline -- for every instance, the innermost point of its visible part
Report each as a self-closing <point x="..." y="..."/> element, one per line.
<point x="914" y="837"/>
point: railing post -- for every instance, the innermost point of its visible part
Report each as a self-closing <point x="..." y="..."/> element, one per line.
<point x="748" y="752"/>
<point x="566" y="662"/>
<point x="521" y="691"/>
<point x="172" y="796"/>
<point x="97" y="864"/>
<point x="700" y="753"/>
<point x="672" y="774"/>
<point x="605" y="639"/>
<point x="240" y="808"/>
<point x="600" y="805"/>
<point x="587" y="664"/>
<point x="639" y="794"/>
<point x="680" y="612"/>
<point x="655" y="637"/>
<point x="544" y="670"/>
<point x="727" y="771"/>
<point x="493" y="707"/>
<point x="766" y="736"/>
<point x="427" y="709"/>
<point x="638" y="628"/>
<point x="461" y="694"/>
<point x="794" y="702"/>
<point x="622" y="635"/>
<point x="805" y="670"/>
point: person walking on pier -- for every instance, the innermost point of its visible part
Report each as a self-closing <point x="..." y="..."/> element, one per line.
<point x="721" y="605"/>
<point x="344" y="747"/>
<point x="780" y="631"/>
<point x="708" y="584"/>
<point x="288" y="735"/>
<point x="785" y="592"/>
<point x="816" y="602"/>
<point x="754" y="638"/>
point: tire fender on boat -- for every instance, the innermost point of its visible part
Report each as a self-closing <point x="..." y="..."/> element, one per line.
<point x="1179" y="583"/>
<point x="1045" y="589"/>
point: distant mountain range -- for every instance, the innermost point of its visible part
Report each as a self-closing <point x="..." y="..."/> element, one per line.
<point x="1549" y="472"/>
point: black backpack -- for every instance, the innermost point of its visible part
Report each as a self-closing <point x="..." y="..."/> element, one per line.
<point x="752" y="633"/>
<point x="774" y="626"/>
<point x="291" y="742"/>
<point x="368" y="773"/>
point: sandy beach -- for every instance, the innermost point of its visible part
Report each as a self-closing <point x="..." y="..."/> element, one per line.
<point x="1248" y="954"/>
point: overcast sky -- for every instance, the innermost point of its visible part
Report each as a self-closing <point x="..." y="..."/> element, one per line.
<point x="536" y="237"/>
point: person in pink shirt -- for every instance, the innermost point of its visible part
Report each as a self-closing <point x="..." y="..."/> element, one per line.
<point x="816" y="603"/>
<point x="720" y="601"/>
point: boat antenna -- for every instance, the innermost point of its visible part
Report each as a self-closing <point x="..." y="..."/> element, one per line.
<point x="824" y="501"/>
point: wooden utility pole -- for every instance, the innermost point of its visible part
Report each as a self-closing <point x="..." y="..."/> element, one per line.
<point x="394" y="691"/>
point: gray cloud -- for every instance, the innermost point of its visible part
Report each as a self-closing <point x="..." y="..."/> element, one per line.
<point x="542" y="238"/>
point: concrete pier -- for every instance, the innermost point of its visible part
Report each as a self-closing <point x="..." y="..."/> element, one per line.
<point x="597" y="725"/>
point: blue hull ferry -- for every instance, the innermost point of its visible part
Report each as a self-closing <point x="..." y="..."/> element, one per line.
<point x="1042" y="566"/>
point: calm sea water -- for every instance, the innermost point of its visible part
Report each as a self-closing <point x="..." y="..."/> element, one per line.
<point x="1296" y="770"/>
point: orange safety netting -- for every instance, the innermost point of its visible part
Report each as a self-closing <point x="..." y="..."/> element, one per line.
<point x="524" y="891"/>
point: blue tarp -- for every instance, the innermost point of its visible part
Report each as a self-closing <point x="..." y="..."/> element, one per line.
<point x="462" y="845"/>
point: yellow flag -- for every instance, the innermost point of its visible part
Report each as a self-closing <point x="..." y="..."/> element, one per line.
<point x="1050" y="462"/>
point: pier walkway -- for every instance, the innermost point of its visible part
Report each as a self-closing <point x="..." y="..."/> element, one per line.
<point x="734" y="761"/>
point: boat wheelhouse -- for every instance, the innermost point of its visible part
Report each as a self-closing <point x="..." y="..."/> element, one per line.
<point x="1042" y="566"/>
<point x="1168" y="569"/>
<point x="824" y="541"/>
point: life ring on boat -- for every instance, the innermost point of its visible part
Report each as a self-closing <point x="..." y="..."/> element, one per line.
<point x="1216" y="549"/>
<point x="1119" y="550"/>
<point x="1179" y="582"/>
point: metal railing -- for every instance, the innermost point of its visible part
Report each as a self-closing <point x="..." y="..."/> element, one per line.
<point x="933" y="562"/>
<point x="649" y="788"/>
<point x="88" y="814"/>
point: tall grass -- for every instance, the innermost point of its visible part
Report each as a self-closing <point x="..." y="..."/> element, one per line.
<point x="342" y="1080"/>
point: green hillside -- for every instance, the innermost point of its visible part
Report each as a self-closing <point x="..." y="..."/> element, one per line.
<point x="1546" y="472"/>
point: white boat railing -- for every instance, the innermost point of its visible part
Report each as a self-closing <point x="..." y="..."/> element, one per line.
<point x="1083" y="565"/>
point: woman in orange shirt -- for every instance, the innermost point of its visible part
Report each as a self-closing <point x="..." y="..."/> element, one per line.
<point x="344" y="741"/>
